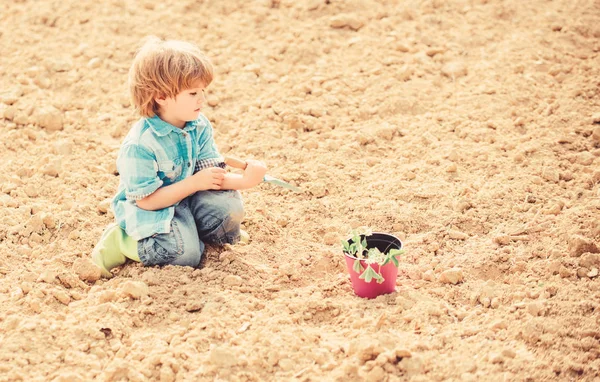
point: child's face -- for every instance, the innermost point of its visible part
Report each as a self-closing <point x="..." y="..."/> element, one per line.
<point x="184" y="107"/>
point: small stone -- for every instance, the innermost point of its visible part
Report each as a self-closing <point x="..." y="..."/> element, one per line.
<point x="104" y="206"/>
<point x="194" y="306"/>
<point x="311" y="145"/>
<point x="227" y="257"/>
<point x="47" y="276"/>
<point x="70" y="280"/>
<point x="117" y="131"/>
<point x="254" y="68"/>
<point x="61" y="65"/>
<point x="495" y="303"/>
<point x="213" y="101"/>
<point x="551" y="175"/>
<point x="318" y="190"/>
<point x="51" y="169"/>
<point x="317" y="112"/>
<point x="412" y="366"/>
<point x="94" y="63"/>
<point x="433" y="51"/>
<point x="593" y="273"/>
<point x="428" y="138"/>
<point x="233" y="280"/>
<point x="402" y="353"/>
<point x="451" y="276"/>
<point x="282" y="222"/>
<point x="386" y="133"/>
<point x="457" y="235"/>
<point x="69" y="376"/>
<point x="150" y="278"/>
<point x="21" y="119"/>
<point x="496" y="358"/>
<point x="63" y="148"/>
<point x="107" y="296"/>
<point x="62" y="296"/>
<point x="32" y="191"/>
<point x="219" y="356"/>
<point x="462" y="206"/>
<point x="409" y="175"/>
<point x="452" y="168"/>
<point x="134" y="289"/>
<point x="10" y="98"/>
<point x="596" y="118"/>
<point x="49" y="117"/>
<point x="582" y="272"/>
<point x="346" y="20"/>
<point x="485" y="301"/>
<point x="596" y="135"/>
<point x="502" y="240"/>
<point x="566" y="139"/>
<point x="86" y="270"/>
<point x="402" y="48"/>
<point x="287" y="269"/>
<point x="414" y="274"/>
<point x="428" y="275"/>
<point x="35" y="305"/>
<point x="286" y="364"/>
<point x="499" y="325"/>
<point x="535" y="308"/>
<point x="565" y="272"/>
<point x="579" y="245"/>
<point x="509" y="353"/>
<point x="584" y="158"/>
<point x="567" y="176"/>
<point x="43" y="82"/>
<point x="26" y="287"/>
<point x="9" y="113"/>
<point x="376" y="374"/>
<point x="454" y="70"/>
<point x="366" y="351"/>
<point x="16" y="294"/>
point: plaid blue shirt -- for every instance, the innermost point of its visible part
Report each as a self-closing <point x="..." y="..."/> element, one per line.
<point x="155" y="154"/>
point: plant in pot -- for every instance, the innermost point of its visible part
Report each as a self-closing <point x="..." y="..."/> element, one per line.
<point x="372" y="261"/>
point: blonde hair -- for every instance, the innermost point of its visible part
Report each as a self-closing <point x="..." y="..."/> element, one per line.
<point x="165" y="68"/>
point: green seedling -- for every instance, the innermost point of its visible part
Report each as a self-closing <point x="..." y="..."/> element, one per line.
<point x="356" y="247"/>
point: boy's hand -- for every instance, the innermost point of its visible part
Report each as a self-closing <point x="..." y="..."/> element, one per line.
<point x="254" y="173"/>
<point x="209" y="179"/>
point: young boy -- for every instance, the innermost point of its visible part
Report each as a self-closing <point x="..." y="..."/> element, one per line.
<point x="174" y="193"/>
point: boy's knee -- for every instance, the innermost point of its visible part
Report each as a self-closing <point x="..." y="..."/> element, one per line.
<point x="189" y="258"/>
<point x="236" y="210"/>
<point x="178" y="247"/>
<point x="229" y="207"/>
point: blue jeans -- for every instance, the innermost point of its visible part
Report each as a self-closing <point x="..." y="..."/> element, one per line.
<point x="206" y="216"/>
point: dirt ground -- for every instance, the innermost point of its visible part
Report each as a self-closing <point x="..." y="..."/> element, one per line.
<point x="468" y="128"/>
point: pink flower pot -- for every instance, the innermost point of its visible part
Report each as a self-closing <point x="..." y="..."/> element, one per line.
<point x="384" y="243"/>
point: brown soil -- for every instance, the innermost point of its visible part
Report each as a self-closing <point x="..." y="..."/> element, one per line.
<point x="468" y="128"/>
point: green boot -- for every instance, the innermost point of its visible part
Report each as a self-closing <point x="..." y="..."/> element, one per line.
<point x="113" y="249"/>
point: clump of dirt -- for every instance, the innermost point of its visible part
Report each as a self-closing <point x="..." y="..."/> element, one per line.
<point x="470" y="129"/>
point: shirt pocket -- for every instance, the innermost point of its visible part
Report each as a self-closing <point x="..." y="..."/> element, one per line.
<point x="170" y="170"/>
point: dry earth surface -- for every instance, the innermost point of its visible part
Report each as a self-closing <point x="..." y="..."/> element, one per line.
<point x="468" y="128"/>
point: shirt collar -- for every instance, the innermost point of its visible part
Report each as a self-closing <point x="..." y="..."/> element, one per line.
<point x="162" y="128"/>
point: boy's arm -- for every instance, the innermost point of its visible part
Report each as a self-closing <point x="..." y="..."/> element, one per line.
<point x="210" y="178"/>
<point x="253" y="175"/>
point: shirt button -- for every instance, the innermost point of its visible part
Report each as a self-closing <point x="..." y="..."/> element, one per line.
<point x="189" y="164"/>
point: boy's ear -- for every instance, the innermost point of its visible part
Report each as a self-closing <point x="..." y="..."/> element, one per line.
<point x="160" y="99"/>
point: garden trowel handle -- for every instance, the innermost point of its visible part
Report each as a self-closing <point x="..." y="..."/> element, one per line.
<point x="235" y="163"/>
